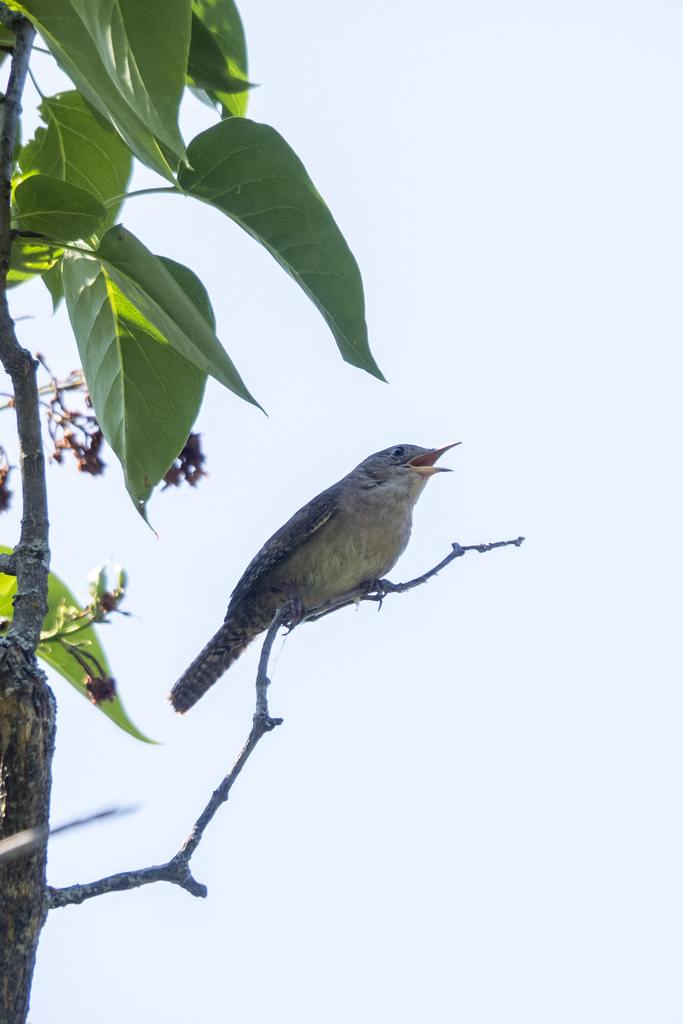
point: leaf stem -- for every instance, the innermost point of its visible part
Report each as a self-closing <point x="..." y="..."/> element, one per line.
<point x="34" y="81"/>
<point x="143" y="192"/>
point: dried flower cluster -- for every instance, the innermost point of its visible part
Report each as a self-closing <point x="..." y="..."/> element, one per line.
<point x="188" y="465"/>
<point x="72" y="429"/>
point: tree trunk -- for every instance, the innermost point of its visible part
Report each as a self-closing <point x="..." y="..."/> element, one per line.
<point x="27" y="735"/>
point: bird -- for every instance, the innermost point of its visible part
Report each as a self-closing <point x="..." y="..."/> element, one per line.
<point x="348" y="536"/>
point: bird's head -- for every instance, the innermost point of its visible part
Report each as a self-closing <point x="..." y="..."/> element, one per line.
<point x="404" y="466"/>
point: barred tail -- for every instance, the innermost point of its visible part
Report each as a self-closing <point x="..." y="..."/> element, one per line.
<point x="216" y="658"/>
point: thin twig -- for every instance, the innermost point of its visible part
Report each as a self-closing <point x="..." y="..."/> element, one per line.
<point x="377" y="590"/>
<point x="174" y="871"/>
<point x="262" y="724"/>
<point x="458" y="551"/>
<point x="25" y="842"/>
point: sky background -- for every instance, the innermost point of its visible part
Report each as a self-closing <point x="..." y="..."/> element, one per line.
<point x="473" y="810"/>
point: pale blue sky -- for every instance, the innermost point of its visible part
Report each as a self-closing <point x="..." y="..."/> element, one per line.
<point x="472" y="812"/>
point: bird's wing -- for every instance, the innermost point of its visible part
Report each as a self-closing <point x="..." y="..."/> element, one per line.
<point x="288" y="538"/>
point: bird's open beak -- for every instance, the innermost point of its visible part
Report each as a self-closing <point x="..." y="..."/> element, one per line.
<point x="424" y="464"/>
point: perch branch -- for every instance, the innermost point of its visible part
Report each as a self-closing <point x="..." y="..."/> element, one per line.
<point x="378" y="589"/>
<point x="177" y="870"/>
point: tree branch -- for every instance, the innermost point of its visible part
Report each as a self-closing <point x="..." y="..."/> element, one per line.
<point x="377" y="590"/>
<point x="7" y="564"/>
<point x="177" y="870"/>
<point x="31" y="556"/>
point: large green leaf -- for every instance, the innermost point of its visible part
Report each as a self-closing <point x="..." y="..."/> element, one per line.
<point x="79" y="146"/>
<point x="55" y="655"/>
<point x="250" y="173"/>
<point x="144" y="279"/>
<point x="145" y="394"/>
<point x="57" y="208"/>
<point x="218" y="55"/>
<point x="129" y="60"/>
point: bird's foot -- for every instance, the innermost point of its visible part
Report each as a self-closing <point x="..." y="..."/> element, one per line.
<point x="296" y="612"/>
<point x="376" y="592"/>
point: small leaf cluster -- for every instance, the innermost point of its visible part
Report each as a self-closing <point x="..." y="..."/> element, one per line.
<point x="69" y="643"/>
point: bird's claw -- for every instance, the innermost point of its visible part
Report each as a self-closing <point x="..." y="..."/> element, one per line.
<point x="376" y="588"/>
<point x="296" y="611"/>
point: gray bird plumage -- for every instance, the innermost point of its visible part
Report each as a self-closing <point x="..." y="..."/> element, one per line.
<point x="348" y="535"/>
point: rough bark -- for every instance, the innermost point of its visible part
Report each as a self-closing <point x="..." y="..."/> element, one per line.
<point x="27" y="733"/>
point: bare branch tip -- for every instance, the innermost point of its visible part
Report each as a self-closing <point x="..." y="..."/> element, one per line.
<point x="195" y="888"/>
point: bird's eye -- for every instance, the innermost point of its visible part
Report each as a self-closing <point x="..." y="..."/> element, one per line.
<point x="396" y="453"/>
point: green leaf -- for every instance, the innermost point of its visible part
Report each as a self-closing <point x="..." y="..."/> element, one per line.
<point x="193" y="288"/>
<point x="79" y="146"/>
<point x="129" y="60"/>
<point x="29" y="257"/>
<point x="52" y="279"/>
<point x="57" y="208"/>
<point x="6" y="41"/>
<point x="52" y="652"/>
<point x="144" y="279"/>
<point x="218" y="55"/>
<point x="208" y="68"/>
<point x="145" y="394"/>
<point x="250" y="173"/>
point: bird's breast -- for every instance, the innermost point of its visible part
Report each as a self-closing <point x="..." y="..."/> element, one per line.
<point x="347" y="550"/>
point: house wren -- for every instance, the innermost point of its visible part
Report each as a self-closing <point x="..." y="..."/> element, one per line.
<point x="349" y="535"/>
